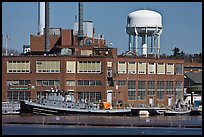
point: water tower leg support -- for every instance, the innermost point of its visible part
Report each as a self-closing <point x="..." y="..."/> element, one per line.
<point x="136" y="43"/>
<point x="155" y="46"/>
<point x="129" y="42"/>
<point x="136" y="40"/>
<point x="158" y="46"/>
<point x="146" y="44"/>
<point x="133" y="45"/>
<point x="143" y="42"/>
<point x="151" y="51"/>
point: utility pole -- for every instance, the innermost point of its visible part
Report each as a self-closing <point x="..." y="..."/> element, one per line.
<point x="80" y="25"/>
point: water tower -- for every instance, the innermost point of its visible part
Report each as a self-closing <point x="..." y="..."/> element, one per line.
<point x="144" y="28"/>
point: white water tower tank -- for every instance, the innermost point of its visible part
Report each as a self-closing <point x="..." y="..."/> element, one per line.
<point x="144" y="24"/>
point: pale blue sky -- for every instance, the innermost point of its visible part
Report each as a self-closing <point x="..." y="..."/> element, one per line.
<point x="182" y="22"/>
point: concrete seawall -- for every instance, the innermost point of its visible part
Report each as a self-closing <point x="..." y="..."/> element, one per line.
<point x="112" y="121"/>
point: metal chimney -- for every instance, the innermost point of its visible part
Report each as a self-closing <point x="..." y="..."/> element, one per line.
<point x="41" y="17"/>
<point x="80" y="30"/>
<point x="47" y="43"/>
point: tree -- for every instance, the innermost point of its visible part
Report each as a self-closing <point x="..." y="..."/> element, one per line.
<point x="176" y="52"/>
<point x="182" y="54"/>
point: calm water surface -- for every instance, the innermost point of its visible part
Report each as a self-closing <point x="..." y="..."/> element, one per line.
<point x="70" y="130"/>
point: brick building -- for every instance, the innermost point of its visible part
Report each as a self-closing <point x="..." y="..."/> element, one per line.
<point x="93" y="71"/>
<point x="85" y="66"/>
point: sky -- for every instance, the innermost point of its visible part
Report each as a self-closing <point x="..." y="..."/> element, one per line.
<point x="182" y="22"/>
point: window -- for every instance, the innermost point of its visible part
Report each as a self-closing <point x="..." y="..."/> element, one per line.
<point x="170" y="88"/>
<point x="47" y="83"/>
<point x="89" y="96"/>
<point x="47" y="66"/>
<point x="109" y="64"/>
<point x="170" y="68"/>
<point x="132" y="90"/>
<point x="131" y="68"/>
<point x="70" y="83"/>
<point x="179" y="89"/>
<point x="160" y="68"/>
<point x="80" y="82"/>
<point x="121" y="67"/>
<point x="40" y="95"/>
<point x="151" y="88"/>
<point x="109" y="72"/>
<point x="89" y="67"/>
<point x="141" y="68"/>
<point x="16" y="96"/>
<point x="141" y="90"/>
<point x="18" y="66"/>
<point x="121" y="83"/>
<point x="89" y="83"/>
<point x="71" y="66"/>
<point x="179" y="68"/>
<point x="160" y="90"/>
<point x="18" y="82"/>
<point x="86" y="52"/>
<point x="151" y="68"/>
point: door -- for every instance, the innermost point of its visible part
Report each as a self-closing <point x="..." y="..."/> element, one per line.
<point x="169" y="101"/>
<point x="109" y="96"/>
<point x="151" y="101"/>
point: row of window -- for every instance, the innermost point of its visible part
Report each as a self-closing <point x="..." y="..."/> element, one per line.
<point x="18" y="66"/>
<point x="15" y="96"/>
<point x="141" y="95"/>
<point x="47" y="66"/>
<point x="18" y="82"/>
<point x="121" y="83"/>
<point x="89" y="96"/>
<point x="47" y="83"/>
<point x="94" y="67"/>
<point x="89" y="67"/>
<point x="151" y="68"/>
<point x="150" y="84"/>
<point x="89" y="83"/>
<point x="54" y="83"/>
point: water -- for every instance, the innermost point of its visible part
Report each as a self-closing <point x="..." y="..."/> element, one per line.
<point x="71" y="130"/>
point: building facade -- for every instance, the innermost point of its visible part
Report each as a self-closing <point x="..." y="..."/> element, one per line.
<point x="93" y="72"/>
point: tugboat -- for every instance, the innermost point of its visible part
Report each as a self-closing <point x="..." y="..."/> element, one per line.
<point x="61" y="103"/>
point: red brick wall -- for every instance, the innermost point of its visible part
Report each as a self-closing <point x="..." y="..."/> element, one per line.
<point x="37" y="43"/>
<point x="66" y="37"/>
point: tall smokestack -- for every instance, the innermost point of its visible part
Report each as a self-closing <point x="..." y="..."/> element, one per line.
<point x="80" y="30"/>
<point x="47" y="43"/>
<point x="41" y="17"/>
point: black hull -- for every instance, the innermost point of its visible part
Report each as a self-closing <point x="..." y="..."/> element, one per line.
<point x="195" y="112"/>
<point x="37" y="110"/>
<point x="152" y="112"/>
